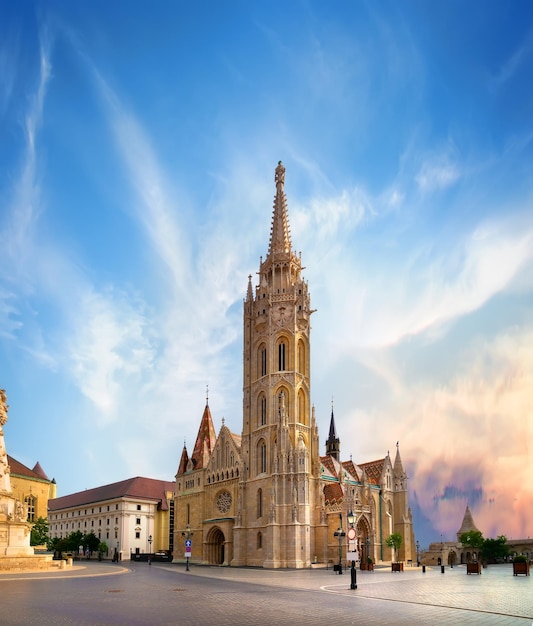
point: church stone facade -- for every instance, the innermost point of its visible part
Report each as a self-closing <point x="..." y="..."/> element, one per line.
<point x="267" y="497"/>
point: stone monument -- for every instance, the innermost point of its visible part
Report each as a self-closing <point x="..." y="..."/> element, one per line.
<point x="15" y="531"/>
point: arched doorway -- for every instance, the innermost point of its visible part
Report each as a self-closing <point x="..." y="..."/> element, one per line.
<point x="452" y="558"/>
<point x="215" y="546"/>
<point x="364" y="544"/>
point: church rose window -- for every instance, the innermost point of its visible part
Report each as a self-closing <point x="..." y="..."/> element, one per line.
<point x="224" y="501"/>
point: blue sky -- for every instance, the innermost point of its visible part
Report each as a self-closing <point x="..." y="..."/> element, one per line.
<point x="138" y="143"/>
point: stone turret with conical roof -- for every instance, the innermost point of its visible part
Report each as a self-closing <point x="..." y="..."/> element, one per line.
<point x="468" y="524"/>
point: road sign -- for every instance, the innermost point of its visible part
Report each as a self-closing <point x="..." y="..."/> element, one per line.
<point x="352" y="534"/>
<point x="188" y="543"/>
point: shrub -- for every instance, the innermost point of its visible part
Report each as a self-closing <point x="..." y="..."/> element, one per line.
<point x="520" y="558"/>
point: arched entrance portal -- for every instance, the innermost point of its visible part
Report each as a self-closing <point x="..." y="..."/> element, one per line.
<point x="215" y="546"/>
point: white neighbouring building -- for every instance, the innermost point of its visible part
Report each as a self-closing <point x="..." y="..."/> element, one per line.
<point x="125" y="515"/>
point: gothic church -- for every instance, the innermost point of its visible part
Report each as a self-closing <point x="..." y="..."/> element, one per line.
<point x="267" y="497"/>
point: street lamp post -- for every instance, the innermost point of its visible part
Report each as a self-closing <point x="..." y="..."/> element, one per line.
<point x="417" y="553"/>
<point x="187" y="534"/>
<point x="351" y="532"/>
<point x="150" y="554"/>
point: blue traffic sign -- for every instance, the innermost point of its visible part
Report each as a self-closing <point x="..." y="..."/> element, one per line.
<point x="188" y="543"/>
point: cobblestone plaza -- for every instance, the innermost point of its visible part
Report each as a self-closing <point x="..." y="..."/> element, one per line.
<point x="104" y="593"/>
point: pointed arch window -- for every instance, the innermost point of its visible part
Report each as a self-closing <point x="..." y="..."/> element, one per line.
<point x="261" y="457"/>
<point x="31" y="501"/>
<point x="262" y="409"/>
<point x="302" y="407"/>
<point x="259" y="503"/>
<point x="282" y="356"/>
<point x="301" y="357"/>
<point x="262" y="360"/>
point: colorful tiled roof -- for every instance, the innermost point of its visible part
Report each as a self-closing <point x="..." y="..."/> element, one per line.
<point x="333" y="493"/>
<point x="373" y="470"/>
<point x="138" y="488"/>
<point x="205" y="441"/>
<point x="329" y="464"/>
<point x="350" y="467"/>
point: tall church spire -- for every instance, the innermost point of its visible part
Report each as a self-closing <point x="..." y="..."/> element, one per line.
<point x="280" y="234"/>
<point x="333" y="444"/>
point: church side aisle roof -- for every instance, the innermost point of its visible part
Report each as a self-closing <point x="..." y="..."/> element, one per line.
<point x="373" y="470"/>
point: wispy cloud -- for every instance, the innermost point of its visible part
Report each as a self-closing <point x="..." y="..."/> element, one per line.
<point x="438" y="172"/>
<point x="17" y="243"/>
<point x="512" y="64"/>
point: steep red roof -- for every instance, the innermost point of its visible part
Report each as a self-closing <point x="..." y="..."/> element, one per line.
<point x="329" y="464"/>
<point x="18" y="468"/>
<point x="205" y="441"/>
<point x="373" y="470"/>
<point x="349" y="466"/>
<point x="182" y="467"/>
<point x="39" y="470"/>
<point x="138" y="488"/>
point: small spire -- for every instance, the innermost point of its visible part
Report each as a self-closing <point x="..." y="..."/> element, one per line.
<point x="207" y="395"/>
<point x="249" y="293"/>
<point x="280" y="236"/>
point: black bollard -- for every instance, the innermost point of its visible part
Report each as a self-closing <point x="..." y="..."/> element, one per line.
<point x="353" y="572"/>
<point x="423" y="569"/>
<point x="442" y="569"/>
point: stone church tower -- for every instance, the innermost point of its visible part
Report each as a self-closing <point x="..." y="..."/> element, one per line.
<point x="279" y="485"/>
<point x="266" y="497"/>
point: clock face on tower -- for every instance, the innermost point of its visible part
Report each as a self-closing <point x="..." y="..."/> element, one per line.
<point x="224" y="501"/>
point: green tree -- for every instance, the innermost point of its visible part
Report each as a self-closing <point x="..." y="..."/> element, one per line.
<point x="394" y="541"/>
<point x="39" y="532"/>
<point x="92" y="542"/>
<point x="472" y="539"/>
<point x="74" y="541"/>
<point x="495" y="549"/>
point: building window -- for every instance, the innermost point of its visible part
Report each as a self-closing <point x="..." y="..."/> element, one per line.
<point x="261" y="457"/>
<point x="31" y="501"/>
<point x="137" y="535"/>
<point x="282" y="353"/>
<point x="259" y="503"/>
<point x="301" y="357"/>
<point x="138" y="521"/>
<point x="262" y="410"/>
<point x="259" y="541"/>
<point x="138" y="507"/>
<point x="262" y="360"/>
